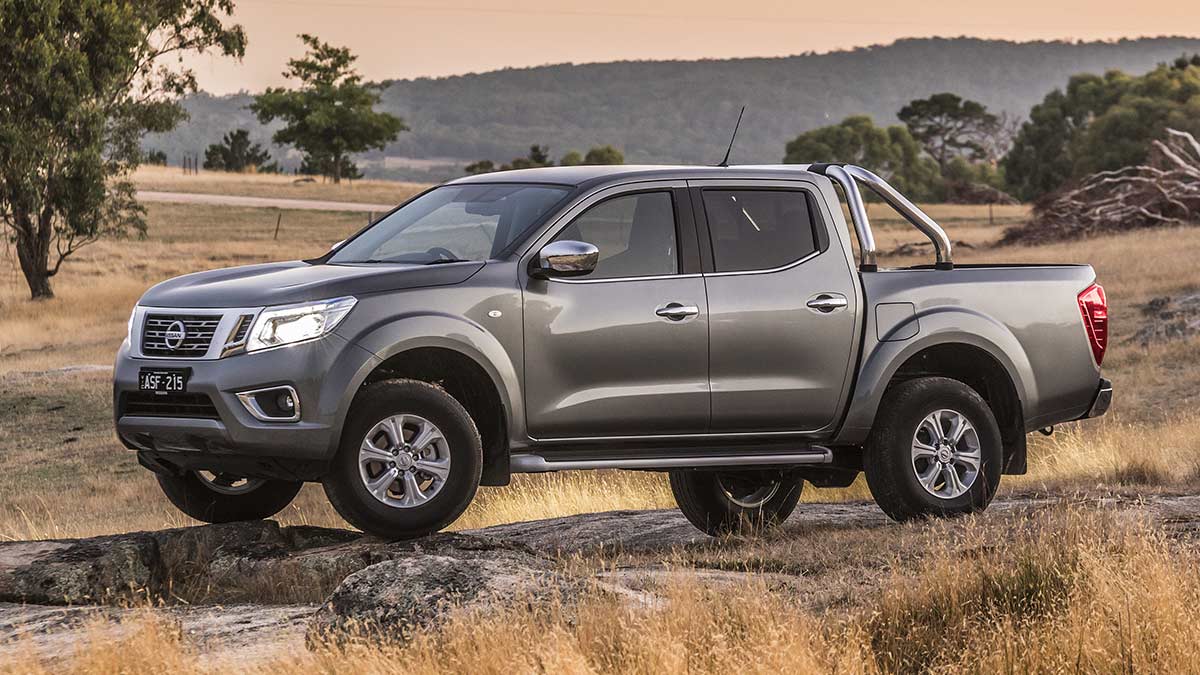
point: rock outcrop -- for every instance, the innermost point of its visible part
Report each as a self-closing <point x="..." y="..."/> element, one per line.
<point x="423" y="583"/>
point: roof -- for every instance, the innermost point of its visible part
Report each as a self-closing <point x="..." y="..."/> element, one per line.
<point x="593" y="175"/>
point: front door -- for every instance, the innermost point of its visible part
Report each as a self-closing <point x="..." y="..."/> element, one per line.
<point x="782" y="306"/>
<point x="622" y="351"/>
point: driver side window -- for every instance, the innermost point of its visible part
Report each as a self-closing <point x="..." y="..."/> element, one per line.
<point x="635" y="234"/>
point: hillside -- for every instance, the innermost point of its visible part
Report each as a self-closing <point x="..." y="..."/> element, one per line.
<point x="665" y="111"/>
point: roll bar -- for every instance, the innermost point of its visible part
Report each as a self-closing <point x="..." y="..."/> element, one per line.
<point x="848" y="177"/>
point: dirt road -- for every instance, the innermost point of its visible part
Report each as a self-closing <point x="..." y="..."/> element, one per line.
<point x="261" y="202"/>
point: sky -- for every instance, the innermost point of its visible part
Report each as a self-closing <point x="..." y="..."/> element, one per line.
<point x="397" y="39"/>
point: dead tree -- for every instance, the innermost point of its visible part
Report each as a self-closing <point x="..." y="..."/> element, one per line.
<point x="1163" y="191"/>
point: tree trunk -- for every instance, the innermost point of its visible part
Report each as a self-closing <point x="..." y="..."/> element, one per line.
<point x="33" y="252"/>
<point x="337" y="168"/>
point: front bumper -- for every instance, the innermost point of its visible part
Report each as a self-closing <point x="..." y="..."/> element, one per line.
<point x="325" y="374"/>
<point x="1102" y="400"/>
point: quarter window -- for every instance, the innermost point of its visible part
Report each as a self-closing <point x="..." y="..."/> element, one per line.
<point x="758" y="229"/>
<point x="635" y="234"/>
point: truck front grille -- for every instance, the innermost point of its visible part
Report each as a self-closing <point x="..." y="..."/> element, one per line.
<point x="158" y="339"/>
<point x="146" y="404"/>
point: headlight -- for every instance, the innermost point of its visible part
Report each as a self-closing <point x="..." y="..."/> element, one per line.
<point x="129" y="326"/>
<point x="297" y="323"/>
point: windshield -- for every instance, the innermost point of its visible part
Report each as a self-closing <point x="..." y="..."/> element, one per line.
<point x="453" y="223"/>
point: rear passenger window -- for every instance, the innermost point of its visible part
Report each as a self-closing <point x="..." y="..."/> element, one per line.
<point x="758" y="229"/>
<point x="635" y="235"/>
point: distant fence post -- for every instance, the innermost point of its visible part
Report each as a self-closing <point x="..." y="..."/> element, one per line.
<point x="991" y="217"/>
<point x="278" y="221"/>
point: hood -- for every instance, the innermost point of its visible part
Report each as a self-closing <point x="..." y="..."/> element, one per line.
<point x="290" y="282"/>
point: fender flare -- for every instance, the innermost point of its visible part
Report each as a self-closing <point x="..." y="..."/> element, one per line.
<point x="454" y="333"/>
<point x="937" y="326"/>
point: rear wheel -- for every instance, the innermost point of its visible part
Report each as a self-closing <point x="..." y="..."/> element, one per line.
<point x="409" y="463"/>
<point x="224" y="498"/>
<point x="935" y="450"/>
<point x="721" y="502"/>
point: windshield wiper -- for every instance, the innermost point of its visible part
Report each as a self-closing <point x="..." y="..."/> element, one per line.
<point x="443" y="261"/>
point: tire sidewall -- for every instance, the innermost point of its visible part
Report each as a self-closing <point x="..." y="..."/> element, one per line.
<point x="192" y="496"/>
<point x="408" y="397"/>
<point x="704" y="503"/>
<point x="946" y="395"/>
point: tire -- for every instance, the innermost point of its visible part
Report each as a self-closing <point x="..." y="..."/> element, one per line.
<point x="709" y="499"/>
<point x="403" y="509"/>
<point x="898" y="450"/>
<point x="219" y="498"/>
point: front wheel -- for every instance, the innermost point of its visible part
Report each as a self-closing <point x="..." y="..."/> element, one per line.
<point x="409" y="462"/>
<point x="224" y="498"/>
<point x="935" y="450"/>
<point x="724" y="502"/>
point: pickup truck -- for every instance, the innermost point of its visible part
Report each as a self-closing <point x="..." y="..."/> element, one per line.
<point x="725" y="325"/>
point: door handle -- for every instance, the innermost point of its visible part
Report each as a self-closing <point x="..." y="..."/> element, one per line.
<point x="827" y="302"/>
<point x="677" y="312"/>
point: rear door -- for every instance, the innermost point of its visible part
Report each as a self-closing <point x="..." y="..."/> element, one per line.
<point x="782" y="305"/>
<point x="623" y="351"/>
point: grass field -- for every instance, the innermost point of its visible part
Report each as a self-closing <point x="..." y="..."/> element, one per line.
<point x="63" y="474"/>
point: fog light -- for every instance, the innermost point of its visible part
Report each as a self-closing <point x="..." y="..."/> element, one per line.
<point x="272" y="404"/>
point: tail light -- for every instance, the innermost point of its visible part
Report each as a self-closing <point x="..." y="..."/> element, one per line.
<point x="1094" y="307"/>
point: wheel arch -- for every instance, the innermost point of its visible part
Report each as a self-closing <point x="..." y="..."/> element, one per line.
<point x="466" y="361"/>
<point x="961" y="345"/>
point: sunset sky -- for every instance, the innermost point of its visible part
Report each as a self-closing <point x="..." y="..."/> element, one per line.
<point x="413" y="38"/>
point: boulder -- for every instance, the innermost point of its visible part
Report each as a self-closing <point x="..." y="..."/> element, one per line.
<point x="177" y="562"/>
<point x="74" y="571"/>
<point x="425" y="582"/>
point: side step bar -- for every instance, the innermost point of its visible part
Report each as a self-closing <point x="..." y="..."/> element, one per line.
<point x="530" y="463"/>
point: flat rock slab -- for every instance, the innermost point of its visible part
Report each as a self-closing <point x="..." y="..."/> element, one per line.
<point x="116" y="567"/>
<point x="232" y="636"/>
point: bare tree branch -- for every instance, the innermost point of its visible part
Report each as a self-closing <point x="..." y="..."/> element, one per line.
<point x="1164" y="191"/>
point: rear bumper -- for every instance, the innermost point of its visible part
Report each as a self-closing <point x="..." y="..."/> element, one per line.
<point x="1102" y="400"/>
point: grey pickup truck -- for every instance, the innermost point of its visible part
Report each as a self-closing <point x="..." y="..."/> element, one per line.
<point x="725" y="325"/>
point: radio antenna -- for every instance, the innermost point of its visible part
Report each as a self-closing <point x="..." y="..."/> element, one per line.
<point x="725" y="162"/>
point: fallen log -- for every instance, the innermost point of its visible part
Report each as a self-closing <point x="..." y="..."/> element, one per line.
<point x="1164" y="191"/>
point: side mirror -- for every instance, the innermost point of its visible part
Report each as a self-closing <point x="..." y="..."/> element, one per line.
<point x="565" y="259"/>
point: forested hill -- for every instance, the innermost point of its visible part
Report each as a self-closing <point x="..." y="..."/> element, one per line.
<point x="663" y="111"/>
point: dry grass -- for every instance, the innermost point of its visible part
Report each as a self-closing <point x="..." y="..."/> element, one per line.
<point x="165" y="179"/>
<point x="1062" y="591"/>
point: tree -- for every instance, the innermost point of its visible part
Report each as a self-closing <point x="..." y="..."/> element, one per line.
<point x="539" y="155"/>
<point x="83" y="81"/>
<point x="948" y="126"/>
<point x="323" y="165"/>
<point x="891" y="152"/>
<point x="154" y="158"/>
<point x="604" y="154"/>
<point x="1100" y="123"/>
<point x="996" y="139"/>
<point x="236" y="153"/>
<point x="331" y="115"/>
<point x="482" y="166"/>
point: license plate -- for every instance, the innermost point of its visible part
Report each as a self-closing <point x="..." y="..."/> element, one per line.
<point x="164" y="381"/>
